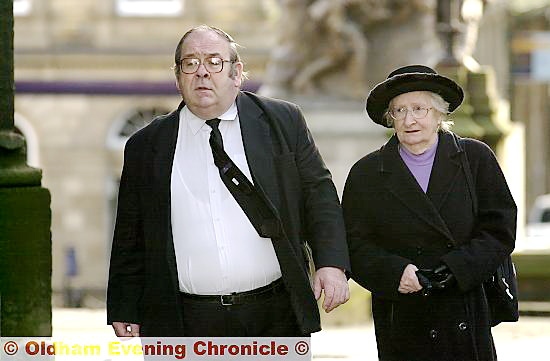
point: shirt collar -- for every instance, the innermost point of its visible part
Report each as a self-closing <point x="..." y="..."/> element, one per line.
<point x="195" y="123"/>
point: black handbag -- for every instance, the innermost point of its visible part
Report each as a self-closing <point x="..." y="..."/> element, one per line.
<point x="502" y="293"/>
<point x="501" y="289"/>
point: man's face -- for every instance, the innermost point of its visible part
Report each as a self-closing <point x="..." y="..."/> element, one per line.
<point x="208" y="94"/>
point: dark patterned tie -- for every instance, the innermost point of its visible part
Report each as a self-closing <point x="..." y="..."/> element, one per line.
<point x="215" y="135"/>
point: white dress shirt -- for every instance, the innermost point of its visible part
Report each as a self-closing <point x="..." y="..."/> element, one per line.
<point x="217" y="249"/>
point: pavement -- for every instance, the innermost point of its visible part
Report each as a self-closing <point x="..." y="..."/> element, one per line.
<point x="527" y="339"/>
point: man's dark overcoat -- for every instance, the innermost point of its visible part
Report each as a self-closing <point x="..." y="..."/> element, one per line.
<point x="391" y="223"/>
<point x="143" y="283"/>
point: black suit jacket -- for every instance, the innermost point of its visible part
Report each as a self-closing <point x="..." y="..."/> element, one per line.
<point x="143" y="283"/>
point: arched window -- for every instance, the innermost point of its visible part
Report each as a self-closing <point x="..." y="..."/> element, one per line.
<point x="130" y="123"/>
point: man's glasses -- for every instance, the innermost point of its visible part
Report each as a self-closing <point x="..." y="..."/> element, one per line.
<point x="418" y="112"/>
<point x="212" y="64"/>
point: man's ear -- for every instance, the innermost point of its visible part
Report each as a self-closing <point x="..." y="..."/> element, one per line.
<point x="178" y="85"/>
<point x="238" y="74"/>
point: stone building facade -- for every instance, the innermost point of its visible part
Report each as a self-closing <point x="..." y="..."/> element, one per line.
<point x="88" y="74"/>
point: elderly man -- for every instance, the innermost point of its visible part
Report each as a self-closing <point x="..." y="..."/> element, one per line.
<point x="216" y="203"/>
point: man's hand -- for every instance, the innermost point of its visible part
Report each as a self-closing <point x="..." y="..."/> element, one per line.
<point x="409" y="281"/>
<point x="334" y="282"/>
<point x="125" y="329"/>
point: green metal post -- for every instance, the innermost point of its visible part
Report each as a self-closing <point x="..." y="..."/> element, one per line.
<point x="25" y="216"/>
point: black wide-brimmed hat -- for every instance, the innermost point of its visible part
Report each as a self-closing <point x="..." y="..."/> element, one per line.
<point x="408" y="79"/>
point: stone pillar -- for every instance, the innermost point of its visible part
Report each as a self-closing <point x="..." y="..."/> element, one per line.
<point x="464" y="123"/>
<point x="482" y="90"/>
<point x="477" y="117"/>
<point x="25" y="216"/>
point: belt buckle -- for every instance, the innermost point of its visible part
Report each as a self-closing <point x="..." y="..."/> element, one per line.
<point x="224" y="302"/>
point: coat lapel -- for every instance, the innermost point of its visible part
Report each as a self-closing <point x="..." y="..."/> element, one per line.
<point x="163" y="145"/>
<point x="258" y="147"/>
<point x="446" y="170"/>
<point x="401" y="183"/>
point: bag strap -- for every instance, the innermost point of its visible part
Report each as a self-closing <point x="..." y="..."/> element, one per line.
<point x="251" y="200"/>
<point x="247" y="195"/>
<point x="467" y="172"/>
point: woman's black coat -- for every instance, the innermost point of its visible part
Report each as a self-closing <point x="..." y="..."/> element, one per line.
<point x="391" y="223"/>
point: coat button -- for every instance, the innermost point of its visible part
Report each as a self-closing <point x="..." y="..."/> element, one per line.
<point x="433" y="334"/>
<point x="419" y="250"/>
<point x="463" y="326"/>
<point x="450" y="245"/>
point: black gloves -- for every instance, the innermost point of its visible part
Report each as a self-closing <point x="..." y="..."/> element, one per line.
<point x="424" y="281"/>
<point x="438" y="278"/>
<point x="443" y="277"/>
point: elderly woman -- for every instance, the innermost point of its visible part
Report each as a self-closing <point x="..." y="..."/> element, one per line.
<point x="415" y="240"/>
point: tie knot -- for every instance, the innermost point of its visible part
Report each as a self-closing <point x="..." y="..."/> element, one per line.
<point x="213" y="123"/>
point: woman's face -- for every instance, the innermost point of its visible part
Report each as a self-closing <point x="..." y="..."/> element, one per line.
<point x="415" y="120"/>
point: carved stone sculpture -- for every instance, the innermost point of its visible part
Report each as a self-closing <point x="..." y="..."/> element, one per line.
<point x="324" y="45"/>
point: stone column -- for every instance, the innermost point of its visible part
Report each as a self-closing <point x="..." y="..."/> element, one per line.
<point x="477" y="116"/>
<point x="25" y="216"/>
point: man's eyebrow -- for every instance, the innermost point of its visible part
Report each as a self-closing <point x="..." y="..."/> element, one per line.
<point x="195" y="55"/>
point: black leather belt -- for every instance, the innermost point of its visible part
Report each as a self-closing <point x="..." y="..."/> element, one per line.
<point x="239" y="298"/>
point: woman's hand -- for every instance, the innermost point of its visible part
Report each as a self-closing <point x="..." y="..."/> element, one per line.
<point x="409" y="282"/>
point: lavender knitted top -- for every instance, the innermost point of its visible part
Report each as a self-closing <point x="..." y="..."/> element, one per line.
<point x="420" y="165"/>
